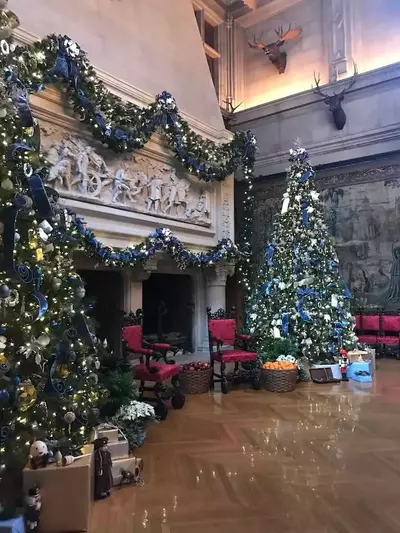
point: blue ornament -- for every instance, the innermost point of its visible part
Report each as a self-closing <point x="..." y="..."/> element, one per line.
<point x="70" y="390"/>
<point x="17" y="380"/>
<point x="4" y="396"/>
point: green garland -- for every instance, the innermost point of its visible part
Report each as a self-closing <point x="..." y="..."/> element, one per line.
<point x="123" y="126"/>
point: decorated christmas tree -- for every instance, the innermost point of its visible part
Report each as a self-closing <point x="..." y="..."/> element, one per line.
<point x="300" y="295"/>
<point x="48" y="364"/>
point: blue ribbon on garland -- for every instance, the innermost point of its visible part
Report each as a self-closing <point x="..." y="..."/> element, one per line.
<point x="304" y="213"/>
<point x="41" y="299"/>
<point x="306" y="176"/>
<point x="303" y="293"/>
<point x="269" y="254"/>
<point x="137" y="125"/>
<point x="285" y="322"/>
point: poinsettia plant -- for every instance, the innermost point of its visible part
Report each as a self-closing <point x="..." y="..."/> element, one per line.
<point x="133" y="420"/>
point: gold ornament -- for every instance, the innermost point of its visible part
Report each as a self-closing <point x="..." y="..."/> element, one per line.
<point x="62" y="371"/>
<point x="39" y="254"/>
<point x="4" y="364"/>
<point x="27" y="395"/>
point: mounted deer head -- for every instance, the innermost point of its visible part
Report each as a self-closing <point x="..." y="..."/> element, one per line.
<point x="334" y="101"/>
<point x="228" y="113"/>
<point x="273" y="50"/>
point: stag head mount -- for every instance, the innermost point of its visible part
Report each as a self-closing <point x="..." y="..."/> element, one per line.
<point x="273" y="50"/>
<point x="334" y="101"/>
<point x="229" y="112"/>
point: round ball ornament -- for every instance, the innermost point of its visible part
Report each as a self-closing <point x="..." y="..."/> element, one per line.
<point x="43" y="340"/>
<point x="80" y="292"/>
<point x="7" y="184"/>
<point x="27" y="395"/>
<point x="4" y="291"/>
<point x="70" y="417"/>
<point x="4" y="396"/>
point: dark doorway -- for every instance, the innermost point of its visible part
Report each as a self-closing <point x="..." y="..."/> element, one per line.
<point x="168" y="309"/>
<point x="105" y="290"/>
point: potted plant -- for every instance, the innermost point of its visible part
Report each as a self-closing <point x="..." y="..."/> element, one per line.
<point x="283" y="349"/>
<point x="133" y="420"/>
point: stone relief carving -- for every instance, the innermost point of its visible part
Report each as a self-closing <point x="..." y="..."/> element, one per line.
<point x="226" y="216"/>
<point x="130" y="181"/>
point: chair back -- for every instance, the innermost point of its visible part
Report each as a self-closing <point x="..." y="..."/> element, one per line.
<point x="391" y="323"/>
<point x="133" y="337"/>
<point x="370" y="323"/>
<point x="222" y="329"/>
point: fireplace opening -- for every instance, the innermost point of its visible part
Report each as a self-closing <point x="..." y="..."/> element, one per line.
<point x="168" y="309"/>
<point x="104" y="289"/>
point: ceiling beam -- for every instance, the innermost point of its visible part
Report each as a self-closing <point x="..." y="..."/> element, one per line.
<point x="265" y="12"/>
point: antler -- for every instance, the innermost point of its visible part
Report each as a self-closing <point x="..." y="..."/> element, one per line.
<point x="352" y="80"/>
<point x="317" y="89"/>
<point x="292" y="33"/>
<point x="257" y="43"/>
<point x="232" y="108"/>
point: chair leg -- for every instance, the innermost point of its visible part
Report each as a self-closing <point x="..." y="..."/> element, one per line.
<point x="212" y="374"/>
<point x="224" y="381"/>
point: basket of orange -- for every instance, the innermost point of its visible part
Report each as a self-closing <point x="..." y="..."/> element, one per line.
<point x="279" y="376"/>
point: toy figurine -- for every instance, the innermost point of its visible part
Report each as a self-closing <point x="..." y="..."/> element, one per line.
<point x="103" y="480"/>
<point x="132" y="478"/>
<point x="33" y="503"/>
<point x="40" y="455"/>
<point x="344" y="363"/>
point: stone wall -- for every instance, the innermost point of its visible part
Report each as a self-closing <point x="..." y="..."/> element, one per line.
<point x="335" y="32"/>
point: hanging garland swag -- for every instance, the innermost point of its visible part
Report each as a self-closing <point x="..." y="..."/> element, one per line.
<point x="123" y="127"/>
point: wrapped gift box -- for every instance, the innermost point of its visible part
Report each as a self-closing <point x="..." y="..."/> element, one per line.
<point x="13" y="525"/>
<point x="360" y="366"/>
<point x="67" y="494"/>
<point x="119" y="449"/>
<point x="111" y="434"/>
<point x="366" y="355"/>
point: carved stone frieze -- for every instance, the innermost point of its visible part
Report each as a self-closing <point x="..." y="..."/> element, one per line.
<point x="133" y="182"/>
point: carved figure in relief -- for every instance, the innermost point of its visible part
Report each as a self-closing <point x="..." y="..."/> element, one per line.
<point x="60" y="172"/>
<point x="155" y="194"/>
<point x="176" y="197"/>
<point x="122" y="187"/>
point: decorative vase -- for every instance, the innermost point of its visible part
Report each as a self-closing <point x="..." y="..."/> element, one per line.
<point x="335" y="369"/>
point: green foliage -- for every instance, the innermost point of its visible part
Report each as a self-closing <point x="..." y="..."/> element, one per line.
<point x="270" y="349"/>
<point x="116" y="377"/>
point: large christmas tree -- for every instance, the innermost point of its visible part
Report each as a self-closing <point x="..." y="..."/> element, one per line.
<point x="48" y="363"/>
<point x="300" y="295"/>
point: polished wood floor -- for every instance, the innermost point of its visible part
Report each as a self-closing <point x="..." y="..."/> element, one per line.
<point x="324" y="459"/>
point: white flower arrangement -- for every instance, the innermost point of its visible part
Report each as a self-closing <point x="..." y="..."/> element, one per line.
<point x="288" y="358"/>
<point x="135" y="411"/>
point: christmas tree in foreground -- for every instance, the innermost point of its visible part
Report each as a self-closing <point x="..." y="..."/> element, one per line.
<point x="300" y="295"/>
<point x="48" y="363"/>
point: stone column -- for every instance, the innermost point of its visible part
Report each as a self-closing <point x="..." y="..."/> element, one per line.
<point x="216" y="285"/>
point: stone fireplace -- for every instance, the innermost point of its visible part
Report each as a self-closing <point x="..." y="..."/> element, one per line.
<point x="124" y="198"/>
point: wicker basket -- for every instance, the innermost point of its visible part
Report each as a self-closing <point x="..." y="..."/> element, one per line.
<point x="195" y="381"/>
<point x="279" y="380"/>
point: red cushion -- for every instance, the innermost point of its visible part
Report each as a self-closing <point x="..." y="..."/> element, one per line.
<point x="368" y="339"/>
<point x="358" y="321"/>
<point x="161" y="346"/>
<point x="224" y="329"/>
<point x="133" y="337"/>
<point x="387" y="339"/>
<point x="391" y="323"/>
<point x="234" y="356"/>
<point x="370" y="323"/>
<point x="243" y="337"/>
<point x="165" y="372"/>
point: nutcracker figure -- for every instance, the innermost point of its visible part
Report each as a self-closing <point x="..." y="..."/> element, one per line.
<point x="33" y="504"/>
<point x="103" y="480"/>
<point x="344" y="363"/>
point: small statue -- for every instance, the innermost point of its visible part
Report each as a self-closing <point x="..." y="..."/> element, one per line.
<point x="344" y="363"/>
<point x="40" y="455"/>
<point x="103" y="480"/>
<point x="33" y="504"/>
<point x="132" y="478"/>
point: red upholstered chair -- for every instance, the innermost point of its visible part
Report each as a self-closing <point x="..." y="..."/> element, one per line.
<point x="228" y="347"/>
<point x="390" y="332"/>
<point x="150" y="369"/>
<point x="368" y="328"/>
